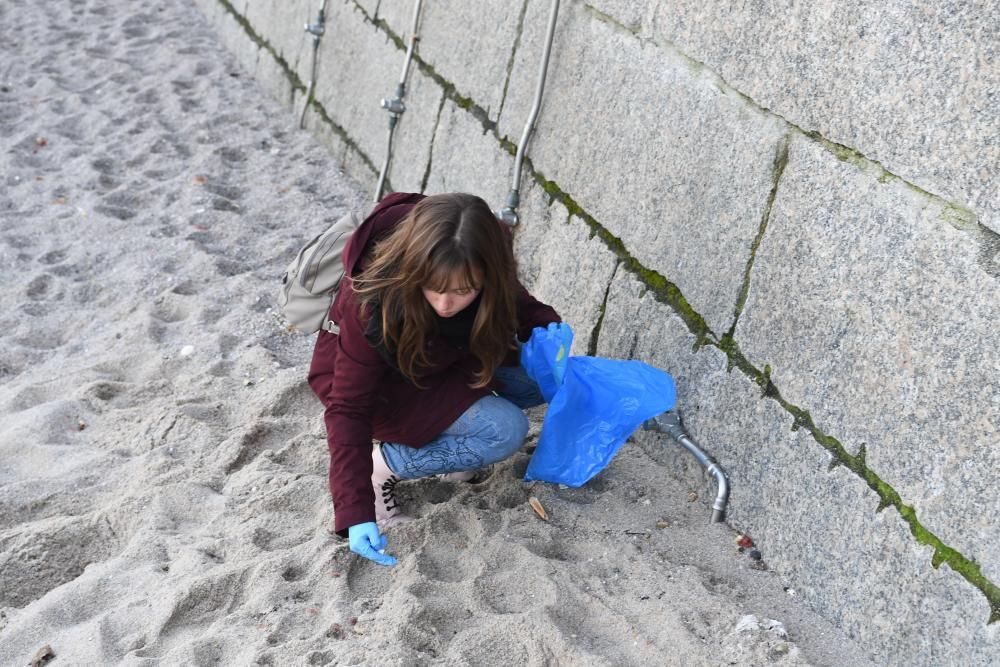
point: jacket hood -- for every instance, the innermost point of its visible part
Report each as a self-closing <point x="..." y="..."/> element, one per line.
<point x="382" y="218"/>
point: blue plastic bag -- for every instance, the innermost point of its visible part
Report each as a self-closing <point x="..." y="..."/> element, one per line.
<point x="595" y="404"/>
<point x="545" y="357"/>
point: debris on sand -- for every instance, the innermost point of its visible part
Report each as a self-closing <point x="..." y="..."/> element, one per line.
<point x="43" y="655"/>
<point x="537" y="506"/>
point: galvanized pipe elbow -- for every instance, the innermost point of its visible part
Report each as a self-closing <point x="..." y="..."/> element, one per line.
<point x="670" y="424"/>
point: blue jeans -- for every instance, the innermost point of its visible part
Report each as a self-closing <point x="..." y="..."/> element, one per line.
<point x="491" y="430"/>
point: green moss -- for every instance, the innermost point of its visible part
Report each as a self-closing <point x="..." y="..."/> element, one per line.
<point x="668" y="293"/>
<point x="662" y="289"/>
<point x="264" y="44"/>
<point x="610" y="20"/>
<point x="967" y="568"/>
<point x="851" y="156"/>
<point x="960" y="217"/>
<point x="297" y="85"/>
<point x="508" y="145"/>
<point x="450" y="91"/>
<point x="889" y="497"/>
<point x="346" y="138"/>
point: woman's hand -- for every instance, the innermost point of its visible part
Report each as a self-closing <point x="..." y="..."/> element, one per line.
<point x="366" y="541"/>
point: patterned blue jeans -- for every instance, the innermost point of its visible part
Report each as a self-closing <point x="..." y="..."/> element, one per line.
<point x="491" y="430"/>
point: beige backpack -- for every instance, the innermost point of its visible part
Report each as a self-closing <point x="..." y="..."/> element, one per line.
<point x="312" y="279"/>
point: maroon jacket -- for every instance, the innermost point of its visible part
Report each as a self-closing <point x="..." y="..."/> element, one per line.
<point x="367" y="398"/>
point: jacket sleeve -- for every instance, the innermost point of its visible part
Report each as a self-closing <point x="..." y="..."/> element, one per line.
<point x="532" y="313"/>
<point x="346" y="373"/>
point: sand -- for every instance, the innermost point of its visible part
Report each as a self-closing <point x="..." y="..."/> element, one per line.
<point x="162" y="461"/>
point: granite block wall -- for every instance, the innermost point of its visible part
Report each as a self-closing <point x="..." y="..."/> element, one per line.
<point x="792" y="207"/>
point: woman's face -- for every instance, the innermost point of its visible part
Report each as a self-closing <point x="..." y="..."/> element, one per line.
<point x="456" y="297"/>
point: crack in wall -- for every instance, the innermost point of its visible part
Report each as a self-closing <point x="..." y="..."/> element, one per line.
<point x="595" y="333"/>
<point x="344" y="136"/>
<point x="450" y="90"/>
<point x="513" y="57"/>
<point x="296" y="83"/>
<point x="668" y="293"/>
<point x="989" y="251"/>
<point x="430" y="153"/>
<point x="841" y="151"/>
<point x="263" y="44"/>
<point x="780" y="162"/>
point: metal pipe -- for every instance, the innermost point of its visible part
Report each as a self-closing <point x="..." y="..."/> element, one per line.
<point x="670" y="423"/>
<point x="395" y="106"/>
<point x="316" y="30"/>
<point x="509" y="212"/>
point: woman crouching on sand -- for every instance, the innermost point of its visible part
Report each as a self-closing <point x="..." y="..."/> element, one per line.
<point x="426" y="360"/>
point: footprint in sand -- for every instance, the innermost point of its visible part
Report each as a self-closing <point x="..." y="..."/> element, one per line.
<point x="194" y="607"/>
<point x="102" y="394"/>
<point x="53" y="257"/>
<point x="230" y="155"/>
<point x="19" y="242"/>
<point x="431" y="627"/>
<point x="42" y="338"/>
<point x="30" y="397"/>
<point x="448" y="559"/>
<point x="121" y="205"/>
<point x="169" y="310"/>
<point x="231" y="267"/>
<point x="42" y="555"/>
<point x="261" y="436"/>
<point x="39" y="287"/>
<point x="136" y="27"/>
<point x="552" y="549"/>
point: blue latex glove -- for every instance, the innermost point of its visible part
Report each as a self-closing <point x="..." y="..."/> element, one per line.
<point x="546" y="355"/>
<point x="366" y="541"/>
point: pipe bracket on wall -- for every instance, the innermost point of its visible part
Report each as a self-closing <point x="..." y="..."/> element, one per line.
<point x="669" y="423"/>
<point x="395" y="106"/>
<point x="509" y="212"/>
<point x="317" y="29"/>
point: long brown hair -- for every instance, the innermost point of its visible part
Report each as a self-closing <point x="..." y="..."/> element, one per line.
<point x="443" y="236"/>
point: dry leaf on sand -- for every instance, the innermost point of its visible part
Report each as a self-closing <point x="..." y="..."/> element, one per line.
<point x="537" y="506"/>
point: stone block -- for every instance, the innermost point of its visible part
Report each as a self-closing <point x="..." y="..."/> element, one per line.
<point x="358" y="68"/>
<point x="231" y="34"/>
<point x="468" y="43"/>
<point x="871" y="303"/>
<point x="346" y="155"/>
<point x="859" y="568"/>
<point x="637" y="326"/>
<point x="686" y="169"/>
<point x="414" y="135"/>
<point x="273" y="78"/>
<point x="467" y="158"/>
<point x="413" y="138"/>
<point x="398" y="14"/>
<point x="562" y="264"/>
<point x="282" y="25"/>
<point x="909" y="84"/>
